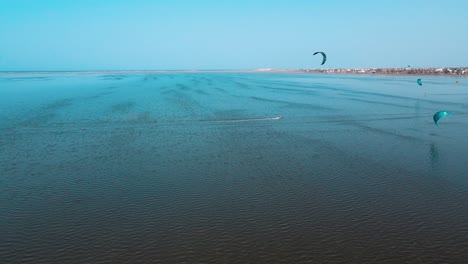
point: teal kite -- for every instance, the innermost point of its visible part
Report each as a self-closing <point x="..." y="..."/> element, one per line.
<point x="419" y="82"/>
<point x="324" y="59"/>
<point x="439" y="115"/>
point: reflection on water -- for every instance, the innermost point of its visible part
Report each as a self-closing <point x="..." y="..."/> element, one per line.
<point x="434" y="155"/>
<point x="165" y="168"/>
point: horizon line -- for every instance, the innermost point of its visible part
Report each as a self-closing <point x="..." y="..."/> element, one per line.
<point x="224" y="70"/>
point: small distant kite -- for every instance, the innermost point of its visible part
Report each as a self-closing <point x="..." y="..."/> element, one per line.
<point x="419" y="81"/>
<point x="439" y="115"/>
<point x="324" y="56"/>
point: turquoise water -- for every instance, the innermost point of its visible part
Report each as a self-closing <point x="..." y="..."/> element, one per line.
<point x="194" y="168"/>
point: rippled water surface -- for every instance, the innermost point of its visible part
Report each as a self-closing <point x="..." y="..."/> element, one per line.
<point x="195" y="168"/>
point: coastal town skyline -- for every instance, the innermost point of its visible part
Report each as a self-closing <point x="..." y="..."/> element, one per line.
<point x="180" y="35"/>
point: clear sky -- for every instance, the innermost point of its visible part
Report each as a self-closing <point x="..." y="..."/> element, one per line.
<point x="236" y="34"/>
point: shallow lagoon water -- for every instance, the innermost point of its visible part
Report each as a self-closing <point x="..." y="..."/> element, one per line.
<point x="190" y="168"/>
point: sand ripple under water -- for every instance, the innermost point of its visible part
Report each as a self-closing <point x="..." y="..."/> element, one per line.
<point x="188" y="168"/>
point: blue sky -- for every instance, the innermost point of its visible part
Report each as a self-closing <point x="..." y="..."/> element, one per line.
<point x="237" y="34"/>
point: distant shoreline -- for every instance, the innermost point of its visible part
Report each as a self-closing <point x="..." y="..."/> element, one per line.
<point x="450" y="71"/>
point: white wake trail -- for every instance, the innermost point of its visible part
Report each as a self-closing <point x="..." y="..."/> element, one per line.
<point x="249" y="119"/>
